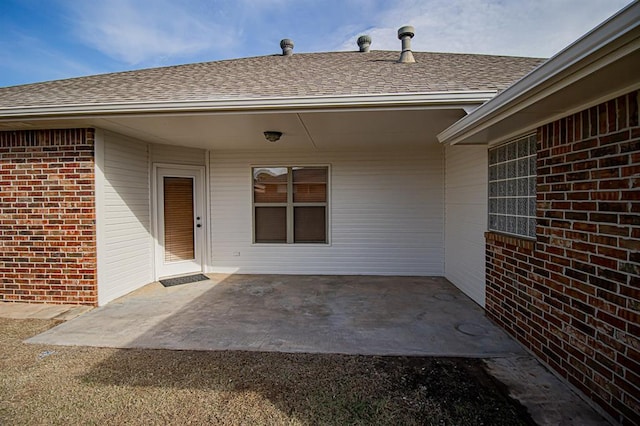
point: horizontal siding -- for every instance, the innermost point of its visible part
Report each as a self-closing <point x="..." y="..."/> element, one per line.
<point x="128" y="256"/>
<point x="171" y="154"/>
<point x="466" y="213"/>
<point x="386" y="215"/>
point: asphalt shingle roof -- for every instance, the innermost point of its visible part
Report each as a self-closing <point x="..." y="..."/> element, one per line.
<point x="300" y="75"/>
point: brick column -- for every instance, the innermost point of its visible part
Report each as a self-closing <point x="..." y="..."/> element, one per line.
<point x="47" y="217"/>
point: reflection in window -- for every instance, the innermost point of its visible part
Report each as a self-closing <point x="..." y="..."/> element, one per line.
<point x="290" y="204"/>
<point x="270" y="185"/>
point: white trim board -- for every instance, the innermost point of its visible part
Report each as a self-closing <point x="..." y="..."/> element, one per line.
<point x="460" y="99"/>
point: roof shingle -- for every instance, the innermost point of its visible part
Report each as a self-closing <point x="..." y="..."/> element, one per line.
<point x="274" y="76"/>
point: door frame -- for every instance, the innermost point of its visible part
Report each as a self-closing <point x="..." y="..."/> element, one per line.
<point x="201" y="207"/>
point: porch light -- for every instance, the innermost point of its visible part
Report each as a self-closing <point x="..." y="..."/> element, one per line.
<point x="272" y="136"/>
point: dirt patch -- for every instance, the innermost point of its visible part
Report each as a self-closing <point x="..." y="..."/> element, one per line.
<point x="55" y="385"/>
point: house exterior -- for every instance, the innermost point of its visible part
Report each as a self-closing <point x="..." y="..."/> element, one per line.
<point x="110" y="182"/>
<point x="514" y="178"/>
<point x="568" y="289"/>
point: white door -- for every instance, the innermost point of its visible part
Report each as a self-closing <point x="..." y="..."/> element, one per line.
<point x="180" y="220"/>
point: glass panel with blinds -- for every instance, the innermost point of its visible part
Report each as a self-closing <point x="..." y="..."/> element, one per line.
<point x="290" y="204"/>
<point x="512" y="187"/>
<point x="178" y="219"/>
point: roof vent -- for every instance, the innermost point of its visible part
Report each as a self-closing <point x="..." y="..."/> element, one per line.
<point x="287" y="47"/>
<point x="364" y="41"/>
<point x="405" y="34"/>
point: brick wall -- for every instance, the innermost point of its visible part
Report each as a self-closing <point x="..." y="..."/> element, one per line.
<point x="47" y="217"/>
<point x="573" y="295"/>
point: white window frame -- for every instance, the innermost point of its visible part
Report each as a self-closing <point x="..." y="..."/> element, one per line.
<point x="290" y="205"/>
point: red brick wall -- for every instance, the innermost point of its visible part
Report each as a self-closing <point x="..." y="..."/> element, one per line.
<point x="47" y="217"/>
<point x="573" y="296"/>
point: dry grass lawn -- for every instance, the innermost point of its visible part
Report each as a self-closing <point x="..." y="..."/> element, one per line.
<point x="70" y="385"/>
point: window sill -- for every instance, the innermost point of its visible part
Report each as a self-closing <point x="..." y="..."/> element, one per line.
<point x="526" y="243"/>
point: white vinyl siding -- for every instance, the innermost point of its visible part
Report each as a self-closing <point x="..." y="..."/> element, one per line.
<point x="126" y="247"/>
<point x="386" y="215"/>
<point x="171" y="154"/>
<point x="466" y="213"/>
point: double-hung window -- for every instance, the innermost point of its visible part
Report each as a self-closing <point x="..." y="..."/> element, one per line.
<point x="512" y="187"/>
<point x="290" y="204"/>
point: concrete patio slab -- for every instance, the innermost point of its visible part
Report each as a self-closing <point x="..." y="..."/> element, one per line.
<point x="548" y="400"/>
<point x="353" y="315"/>
<point x="317" y="314"/>
<point x="41" y="311"/>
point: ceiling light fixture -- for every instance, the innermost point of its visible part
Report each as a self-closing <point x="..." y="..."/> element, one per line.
<point x="272" y="136"/>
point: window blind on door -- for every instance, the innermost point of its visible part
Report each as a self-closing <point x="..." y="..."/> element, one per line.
<point x="178" y="219"/>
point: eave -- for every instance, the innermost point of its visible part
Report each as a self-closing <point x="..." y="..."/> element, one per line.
<point x="603" y="64"/>
<point x="445" y="100"/>
<point x="384" y="121"/>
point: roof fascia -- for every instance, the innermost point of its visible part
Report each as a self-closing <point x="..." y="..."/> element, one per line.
<point x="461" y="99"/>
<point x="598" y="48"/>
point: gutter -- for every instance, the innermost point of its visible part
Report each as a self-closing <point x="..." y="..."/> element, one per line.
<point x="610" y="41"/>
<point x="465" y="100"/>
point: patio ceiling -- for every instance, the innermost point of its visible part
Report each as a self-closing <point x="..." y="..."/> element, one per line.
<point x="337" y="129"/>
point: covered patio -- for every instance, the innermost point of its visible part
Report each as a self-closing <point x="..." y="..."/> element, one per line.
<point x="368" y="315"/>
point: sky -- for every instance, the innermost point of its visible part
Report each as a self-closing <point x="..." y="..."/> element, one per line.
<point x="43" y="40"/>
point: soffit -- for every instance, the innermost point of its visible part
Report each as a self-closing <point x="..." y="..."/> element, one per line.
<point x="303" y="130"/>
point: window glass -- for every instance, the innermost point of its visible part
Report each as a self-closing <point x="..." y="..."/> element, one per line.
<point x="178" y="219"/>
<point x="309" y="225"/>
<point x="309" y="184"/>
<point x="270" y="185"/>
<point x="512" y="187"/>
<point x="290" y="204"/>
<point x="271" y="224"/>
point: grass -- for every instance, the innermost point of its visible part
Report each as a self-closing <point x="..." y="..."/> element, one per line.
<point x="69" y="385"/>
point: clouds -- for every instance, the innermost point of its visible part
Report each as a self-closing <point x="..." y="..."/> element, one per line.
<point x="159" y="31"/>
<point x="18" y="59"/>
<point x="72" y="37"/>
<point x="154" y="32"/>
<point x="138" y="31"/>
<point x="538" y="28"/>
